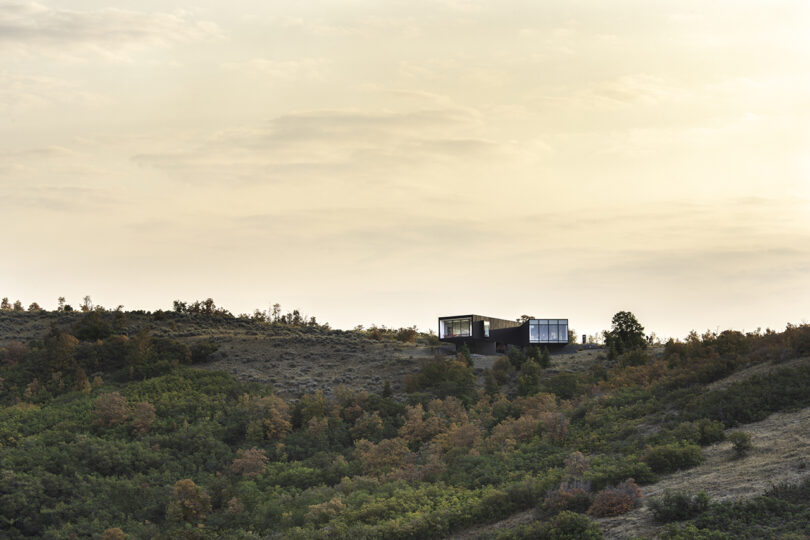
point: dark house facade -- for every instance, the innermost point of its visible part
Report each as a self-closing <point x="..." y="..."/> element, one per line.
<point x="488" y="335"/>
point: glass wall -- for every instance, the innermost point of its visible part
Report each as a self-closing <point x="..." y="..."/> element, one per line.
<point x="449" y="328"/>
<point x="548" y="331"/>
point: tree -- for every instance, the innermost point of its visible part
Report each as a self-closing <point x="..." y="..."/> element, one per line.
<point x="34" y="307"/>
<point x="529" y="379"/>
<point x="188" y="503"/>
<point x="4" y="305"/>
<point x="249" y="462"/>
<point x="87" y="304"/>
<point x="491" y="386"/>
<point x="114" y="533"/>
<point x="626" y="334"/>
<point x="18" y="306"/>
<point x="142" y="417"/>
<point x="110" y="409"/>
<point x="61" y="304"/>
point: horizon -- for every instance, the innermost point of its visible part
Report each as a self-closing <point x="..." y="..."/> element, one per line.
<point x="649" y="332"/>
<point x="391" y="163"/>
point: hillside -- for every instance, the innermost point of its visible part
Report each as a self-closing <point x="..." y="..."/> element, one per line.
<point x="170" y="425"/>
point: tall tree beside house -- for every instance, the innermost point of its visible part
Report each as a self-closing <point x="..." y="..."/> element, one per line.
<point x="626" y="334"/>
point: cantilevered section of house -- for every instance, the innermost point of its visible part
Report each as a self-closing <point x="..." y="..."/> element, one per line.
<point x="488" y="335"/>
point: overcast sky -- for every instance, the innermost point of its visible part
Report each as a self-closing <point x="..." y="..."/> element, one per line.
<point x="392" y="161"/>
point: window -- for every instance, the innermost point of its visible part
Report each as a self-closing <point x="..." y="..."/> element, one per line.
<point x="548" y="331"/>
<point x="449" y="328"/>
<point x="486" y="328"/>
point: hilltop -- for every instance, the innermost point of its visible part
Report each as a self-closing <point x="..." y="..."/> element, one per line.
<point x="174" y="424"/>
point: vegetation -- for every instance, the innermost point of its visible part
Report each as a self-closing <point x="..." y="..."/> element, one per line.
<point x="782" y="512"/>
<point x="108" y="430"/>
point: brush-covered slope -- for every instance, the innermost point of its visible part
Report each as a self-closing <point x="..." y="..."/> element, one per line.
<point x="116" y="425"/>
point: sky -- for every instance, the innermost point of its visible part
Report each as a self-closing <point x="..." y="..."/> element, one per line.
<point x="388" y="162"/>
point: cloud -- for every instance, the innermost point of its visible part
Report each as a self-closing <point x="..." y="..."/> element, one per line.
<point x="33" y="27"/>
<point x="20" y="93"/>
<point x="329" y="145"/>
<point x="55" y="198"/>
<point x="311" y="69"/>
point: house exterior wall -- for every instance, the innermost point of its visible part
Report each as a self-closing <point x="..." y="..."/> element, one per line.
<point x="502" y="333"/>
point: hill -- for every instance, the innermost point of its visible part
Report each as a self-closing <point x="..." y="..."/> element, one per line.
<point x="167" y="425"/>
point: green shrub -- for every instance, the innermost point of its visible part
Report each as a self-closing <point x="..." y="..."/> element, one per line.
<point x="565" y="526"/>
<point x="202" y="351"/>
<point x="690" y="532"/>
<point x="635" y="357"/>
<point x="563" y="385"/>
<point x="673" y="457"/>
<point x="711" y="431"/>
<point x="92" y="327"/>
<point x="529" y="379"/>
<point x="741" y="442"/>
<point x="678" y="506"/>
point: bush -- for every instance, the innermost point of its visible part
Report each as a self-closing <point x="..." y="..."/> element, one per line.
<point x="564" y="526"/>
<point x="563" y="385"/>
<point x="673" y="457"/>
<point x="500" y="369"/>
<point x="711" y="431"/>
<point x="569" y="496"/>
<point x="678" y="506"/>
<point x="202" y="351"/>
<point x="614" y="501"/>
<point x="92" y="327"/>
<point x="406" y="335"/>
<point x="741" y="442"/>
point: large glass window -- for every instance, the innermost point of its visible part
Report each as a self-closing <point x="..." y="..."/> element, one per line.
<point x="449" y="328"/>
<point x="486" y="328"/>
<point x="548" y="331"/>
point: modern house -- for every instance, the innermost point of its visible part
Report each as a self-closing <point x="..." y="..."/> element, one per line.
<point x="488" y="335"/>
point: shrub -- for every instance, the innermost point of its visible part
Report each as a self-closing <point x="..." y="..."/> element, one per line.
<point x="563" y="385"/>
<point x="92" y="327"/>
<point x="678" y="506"/>
<point x="635" y="357"/>
<point x="516" y="357"/>
<point x="571" y="526"/>
<point x="741" y="442"/>
<point x="249" y="462"/>
<point x="565" y="526"/>
<point x="571" y="496"/>
<point x="406" y="335"/>
<point x="711" y="431"/>
<point x="188" y="503"/>
<point x="529" y="379"/>
<point x="500" y="369"/>
<point x="673" y="457"/>
<point x="143" y="415"/>
<point x="202" y="351"/>
<point x="110" y="409"/>
<point x="690" y="532"/>
<point x="614" y="501"/>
